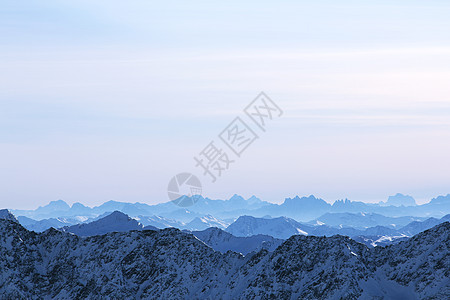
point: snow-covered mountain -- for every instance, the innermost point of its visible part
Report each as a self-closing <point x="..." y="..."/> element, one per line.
<point x="223" y="241"/>
<point x="159" y="222"/>
<point x="380" y="240"/>
<point x="5" y="214"/>
<point x="416" y="227"/>
<point x="115" y="222"/>
<point x="205" y="222"/>
<point x="170" y="264"/>
<point x="362" y="220"/>
<point x="281" y="227"/>
<point x="44" y="224"/>
<point x="198" y="223"/>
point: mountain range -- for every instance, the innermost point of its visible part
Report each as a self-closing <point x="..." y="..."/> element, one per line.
<point x="169" y="264"/>
<point x="249" y="233"/>
<point x="284" y="228"/>
<point x="299" y="208"/>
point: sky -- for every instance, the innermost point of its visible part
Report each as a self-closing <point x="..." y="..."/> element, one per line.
<point x="108" y="100"/>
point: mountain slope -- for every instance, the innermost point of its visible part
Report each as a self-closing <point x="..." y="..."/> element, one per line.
<point x="5" y="214"/>
<point x="44" y="224"/>
<point x="281" y="227"/>
<point x="362" y="220"/>
<point x="416" y="227"/>
<point x="158" y="222"/>
<point x="54" y="264"/>
<point x="170" y="264"/>
<point x="205" y="222"/>
<point x="223" y="241"/>
<point x="284" y="228"/>
<point x="115" y="222"/>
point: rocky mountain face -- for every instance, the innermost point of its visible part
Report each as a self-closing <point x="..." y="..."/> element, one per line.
<point x="170" y="264"/>
<point x="5" y="214"/>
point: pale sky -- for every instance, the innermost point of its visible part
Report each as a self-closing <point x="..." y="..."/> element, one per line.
<point x="107" y="100"/>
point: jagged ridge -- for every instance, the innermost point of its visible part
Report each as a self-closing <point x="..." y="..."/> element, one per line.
<point x="172" y="264"/>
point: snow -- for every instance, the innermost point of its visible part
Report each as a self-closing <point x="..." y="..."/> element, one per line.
<point x="5" y="214"/>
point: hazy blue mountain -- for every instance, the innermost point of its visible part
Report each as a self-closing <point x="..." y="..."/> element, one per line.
<point x="351" y="206"/>
<point x="401" y="200"/>
<point x="223" y="241"/>
<point x="182" y="215"/>
<point x="416" y="227"/>
<point x="56" y="209"/>
<point x="159" y="222"/>
<point x="233" y="207"/>
<point x="310" y="208"/>
<point x="51" y="210"/>
<point x="281" y="227"/>
<point x="362" y="220"/>
<point x="284" y="228"/>
<point x="132" y="209"/>
<point x="204" y="206"/>
<point x="80" y="209"/>
<point x="53" y="206"/>
<point x="42" y="225"/>
<point x="299" y="208"/>
<point x="383" y="240"/>
<point x="437" y="207"/>
<point x="204" y="223"/>
<point x="304" y="208"/>
<point x="169" y="264"/>
<point x="115" y="222"/>
<point x="25" y="221"/>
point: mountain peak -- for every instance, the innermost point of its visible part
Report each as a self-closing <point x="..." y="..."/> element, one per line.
<point x="310" y="199"/>
<point x="57" y="205"/>
<point x="117" y="216"/>
<point x="5" y="214"/>
<point x="253" y="199"/>
<point x="115" y="222"/>
<point x="236" y="197"/>
<point x="78" y="205"/>
<point x="441" y="199"/>
<point x="59" y="202"/>
<point x="401" y="200"/>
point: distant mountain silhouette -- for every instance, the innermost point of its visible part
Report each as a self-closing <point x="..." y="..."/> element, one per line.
<point x="299" y="208"/>
<point x="401" y="200"/>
